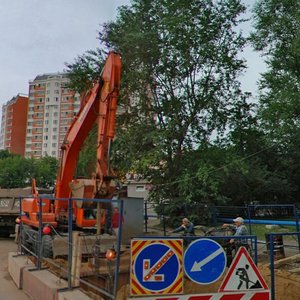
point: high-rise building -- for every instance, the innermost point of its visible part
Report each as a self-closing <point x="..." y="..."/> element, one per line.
<point x="13" y="125"/>
<point x="51" y="109"/>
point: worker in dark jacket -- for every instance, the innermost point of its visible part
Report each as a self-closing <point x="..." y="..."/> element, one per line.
<point x="187" y="227"/>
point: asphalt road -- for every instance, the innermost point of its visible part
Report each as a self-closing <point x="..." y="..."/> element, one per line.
<point x="8" y="289"/>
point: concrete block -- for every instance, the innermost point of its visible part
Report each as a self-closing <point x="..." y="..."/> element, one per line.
<point x="16" y="265"/>
<point x="42" y="284"/>
<point x="73" y="295"/>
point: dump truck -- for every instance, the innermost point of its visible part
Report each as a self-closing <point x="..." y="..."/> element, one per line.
<point x="10" y="208"/>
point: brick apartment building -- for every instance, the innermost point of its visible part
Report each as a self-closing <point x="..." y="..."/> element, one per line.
<point x="35" y="126"/>
<point x="13" y="125"/>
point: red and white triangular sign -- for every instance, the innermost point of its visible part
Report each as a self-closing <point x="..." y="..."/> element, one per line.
<point x="243" y="274"/>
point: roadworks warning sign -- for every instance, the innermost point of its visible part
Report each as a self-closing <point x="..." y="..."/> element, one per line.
<point x="243" y="274"/>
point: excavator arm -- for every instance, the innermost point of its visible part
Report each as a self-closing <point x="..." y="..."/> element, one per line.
<point x="99" y="105"/>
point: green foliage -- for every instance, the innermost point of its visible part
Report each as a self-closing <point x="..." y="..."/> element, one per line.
<point x="84" y="70"/>
<point x="277" y="36"/>
<point x="180" y="68"/>
<point x="5" y="154"/>
<point x="177" y="209"/>
<point x="186" y="125"/>
<point x="16" y="171"/>
<point x="45" y="170"/>
<point x="87" y="158"/>
<point x="261" y="231"/>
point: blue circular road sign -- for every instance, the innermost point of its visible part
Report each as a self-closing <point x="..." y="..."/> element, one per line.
<point x="156" y="267"/>
<point x="204" y="261"/>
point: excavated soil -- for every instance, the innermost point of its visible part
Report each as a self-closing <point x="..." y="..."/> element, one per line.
<point x="287" y="285"/>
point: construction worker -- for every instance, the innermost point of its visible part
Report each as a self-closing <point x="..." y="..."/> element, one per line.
<point x="240" y="229"/>
<point x="187" y="227"/>
<point x="115" y="221"/>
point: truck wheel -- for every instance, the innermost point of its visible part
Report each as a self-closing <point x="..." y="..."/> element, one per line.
<point x="47" y="246"/>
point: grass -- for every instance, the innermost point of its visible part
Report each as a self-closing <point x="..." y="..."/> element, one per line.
<point x="261" y="230"/>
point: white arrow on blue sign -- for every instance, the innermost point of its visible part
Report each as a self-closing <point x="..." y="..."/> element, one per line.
<point x="156" y="267"/>
<point x="204" y="261"/>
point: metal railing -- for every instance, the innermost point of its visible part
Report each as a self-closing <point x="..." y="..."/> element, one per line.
<point x="36" y="236"/>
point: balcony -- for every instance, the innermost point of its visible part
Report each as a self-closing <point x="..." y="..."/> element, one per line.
<point x="36" y="140"/>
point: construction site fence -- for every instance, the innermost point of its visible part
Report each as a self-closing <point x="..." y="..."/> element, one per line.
<point x="114" y="265"/>
<point x="284" y="214"/>
<point x="279" y="216"/>
<point x="267" y="214"/>
<point x="273" y="247"/>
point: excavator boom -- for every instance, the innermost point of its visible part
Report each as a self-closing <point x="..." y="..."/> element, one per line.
<point x="98" y="106"/>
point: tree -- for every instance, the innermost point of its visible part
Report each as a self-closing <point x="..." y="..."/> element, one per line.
<point x="185" y="123"/>
<point x="277" y="35"/>
<point x="45" y="171"/>
<point x="87" y="158"/>
<point x="5" y="154"/>
<point x="179" y="86"/>
<point x="17" y="171"/>
<point x="85" y="70"/>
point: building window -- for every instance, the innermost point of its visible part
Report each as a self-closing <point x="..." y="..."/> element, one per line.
<point x="140" y="188"/>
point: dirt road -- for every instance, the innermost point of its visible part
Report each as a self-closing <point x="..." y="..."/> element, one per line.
<point x="8" y="289"/>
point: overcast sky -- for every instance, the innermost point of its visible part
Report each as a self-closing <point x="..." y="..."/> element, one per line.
<point x="39" y="36"/>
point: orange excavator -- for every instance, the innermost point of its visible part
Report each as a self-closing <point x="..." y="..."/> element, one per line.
<point x="99" y="106"/>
